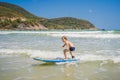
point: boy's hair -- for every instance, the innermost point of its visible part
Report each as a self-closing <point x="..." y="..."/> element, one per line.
<point x="64" y="37"/>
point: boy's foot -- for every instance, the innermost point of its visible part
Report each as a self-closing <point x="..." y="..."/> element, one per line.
<point x="65" y="58"/>
<point x="73" y="57"/>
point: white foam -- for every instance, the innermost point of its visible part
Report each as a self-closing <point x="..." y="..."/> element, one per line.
<point x="55" y="54"/>
<point x="85" y="35"/>
<point x="9" y="32"/>
<point x="48" y="54"/>
<point x="31" y="53"/>
<point x="18" y="51"/>
<point x="81" y="34"/>
<point x="101" y="69"/>
<point x="24" y="78"/>
<point x="93" y="57"/>
<point x="116" y="59"/>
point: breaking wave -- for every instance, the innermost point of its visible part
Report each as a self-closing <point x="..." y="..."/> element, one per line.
<point x="81" y="34"/>
<point x="54" y="54"/>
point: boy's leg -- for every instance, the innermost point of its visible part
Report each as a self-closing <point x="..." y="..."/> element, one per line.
<point x="72" y="54"/>
<point x="65" y="51"/>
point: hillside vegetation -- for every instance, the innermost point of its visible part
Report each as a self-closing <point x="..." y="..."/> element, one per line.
<point x="67" y="23"/>
<point x="16" y="17"/>
<point x="7" y="9"/>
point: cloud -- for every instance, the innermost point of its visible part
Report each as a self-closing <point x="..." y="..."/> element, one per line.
<point x="90" y="11"/>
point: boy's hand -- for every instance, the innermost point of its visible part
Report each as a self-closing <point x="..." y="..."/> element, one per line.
<point x="63" y="45"/>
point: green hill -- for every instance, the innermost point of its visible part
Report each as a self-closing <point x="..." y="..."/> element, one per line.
<point x="68" y="23"/>
<point x="11" y="10"/>
<point x="11" y="16"/>
<point x="6" y="12"/>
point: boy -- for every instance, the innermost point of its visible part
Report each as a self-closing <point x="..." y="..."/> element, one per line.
<point x="69" y="47"/>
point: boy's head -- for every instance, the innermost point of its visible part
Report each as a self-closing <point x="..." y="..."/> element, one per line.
<point x="64" y="38"/>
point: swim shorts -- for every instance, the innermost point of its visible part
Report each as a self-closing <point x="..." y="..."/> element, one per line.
<point x="72" y="48"/>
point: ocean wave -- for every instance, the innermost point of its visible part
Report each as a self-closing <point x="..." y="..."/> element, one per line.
<point x="31" y="53"/>
<point x="93" y="57"/>
<point x="52" y="32"/>
<point x="55" y="54"/>
<point x="81" y="34"/>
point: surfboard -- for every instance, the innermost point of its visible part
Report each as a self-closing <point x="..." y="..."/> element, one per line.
<point x="56" y="60"/>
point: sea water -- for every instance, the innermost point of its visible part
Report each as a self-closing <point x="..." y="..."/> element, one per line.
<point x="98" y="51"/>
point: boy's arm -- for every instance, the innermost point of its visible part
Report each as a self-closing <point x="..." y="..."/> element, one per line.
<point x="67" y="45"/>
<point x="64" y="45"/>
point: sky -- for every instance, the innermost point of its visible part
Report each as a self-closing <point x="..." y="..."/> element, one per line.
<point x="104" y="14"/>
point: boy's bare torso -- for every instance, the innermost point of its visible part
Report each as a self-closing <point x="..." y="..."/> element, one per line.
<point x="69" y="44"/>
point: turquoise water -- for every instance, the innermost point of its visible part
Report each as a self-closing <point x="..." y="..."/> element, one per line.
<point x="98" y="51"/>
